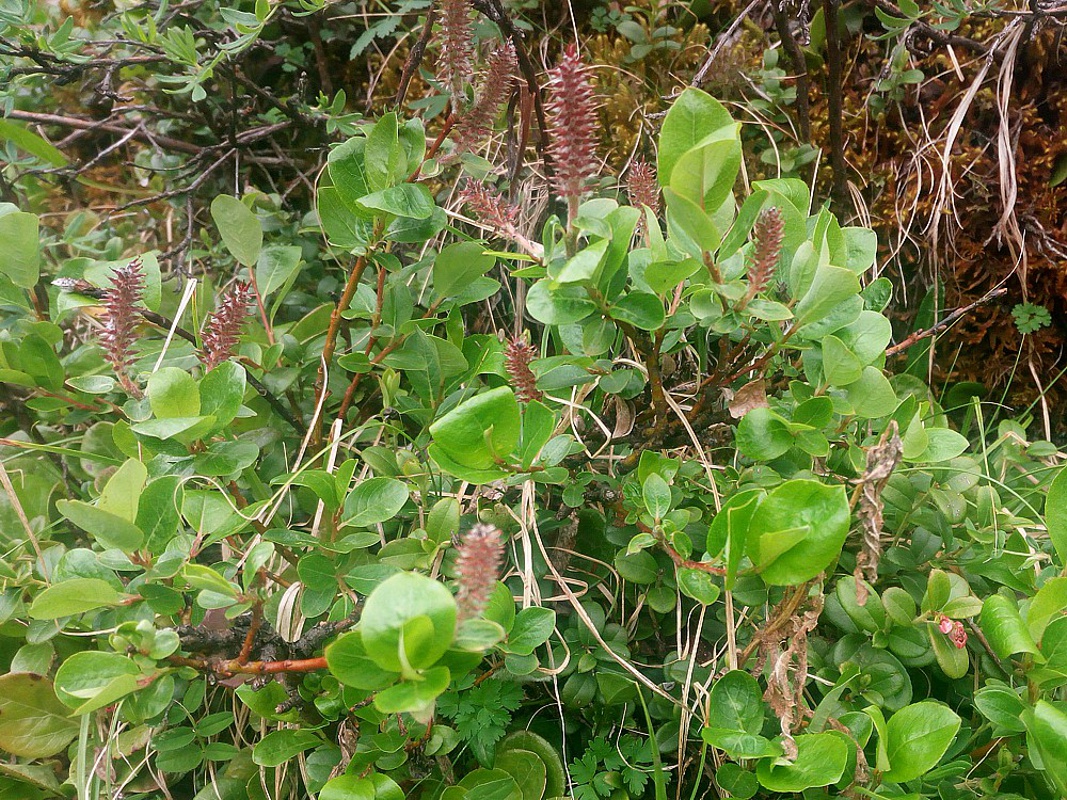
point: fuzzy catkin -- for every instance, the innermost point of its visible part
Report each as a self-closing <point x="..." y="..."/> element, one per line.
<point x="457" y="46"/>
<point x="572" y="123"/>
<point x="517" y="357"/>
<point x="223" y="327"/>
<point x="495" y="87"/>
<point x="122" y="303"/>
<point x="478" y="559"/>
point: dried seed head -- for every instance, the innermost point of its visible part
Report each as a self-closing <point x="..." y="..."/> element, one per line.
<point x="477" y="569"/>
<point x="223" y="327"/>
<point x="457" y="45"/>
<point x="496" y="85"/>
<point x="517" y="357"/>
<point x="572" y="125"/>
<point x="642" y="186"/>
<point x="767" y="239"/>
<point x="123" y="314"/>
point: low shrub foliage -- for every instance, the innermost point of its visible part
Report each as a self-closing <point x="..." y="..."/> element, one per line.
<point x="676" y="532"/>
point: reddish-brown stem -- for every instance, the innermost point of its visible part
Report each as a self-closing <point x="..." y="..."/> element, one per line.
<point x="431" y="151"/>
<point x="250" y="637"/>
<point x="350" y="393"/>
<point x="334" y="328"/>
<point x="234" y="667"/>
<point x="260" y="306"/>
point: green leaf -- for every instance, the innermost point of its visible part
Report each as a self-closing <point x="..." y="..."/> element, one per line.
<point x="347" y="167"/>
<point x="867" y="337"/>
<point x="819" y="511"/>
<point x="19" y="242"/>
<point x="640" y="309"/>
<point x="74" y="596"/>
<point x="384" y="159"/>
<point x="347" y="660"/>
<point x="862" y="247"/>
<point x="110" y="530"/>
<point x="918" y="737"/>
<point x="699" y="585"/>
<point x="663" y="276"/>
<point x="555" y="778"/>
<point x="943" y="444"/>
<point x="457" y="265"/>
<point x="705" y="174"/>
<point x="820" y="761"/>
<point x="531" y="629"/>
<point x="1004" y="628"/>
<point x="528" y="771"/>
<point x="489" y="784"/>
<point x="552" y="304"/>
<point x="736" y="703"/>
<point x="31" y="143"/>
<point x="872" y="396"/>
<point x="406" y="200"/>
<point x="763" y="435"/>
<point x="839" y="364"/>
<point x="39" y="359"/>
<point x="830" y="287"/>
<point x="583" y="266"/>
<point x="693" y="115"/>
<point x="172" y="392"/>
<point x="396" y="602"/>
<point x="1056" y="514"/>
<point x="123" y="490"/>
<point x="374" y="500"/>
<point x="1046" y="726"/>
<point x="1050" y="600"/>
<point x="240" y="229"/>
<point x="657" y="496"/>
<point x="221" y="392"/>
<point x="480" y="431"/>
<point x="690" y="225"/>
<point x="413" y="696"/>
<point x="1002" y="706"/>
<point x="277" y="747"/>
<point x="90" y="680"/>
<point x="35" y="723"/>
<point x="275" y="266"/>
<point x="347" y="787"/>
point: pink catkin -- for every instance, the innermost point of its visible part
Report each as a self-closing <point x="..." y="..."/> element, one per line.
<point x="223" y="328"/>
<point x="478" y="560"/>
<point x="123" y="306"/>
<point x="489" y="208"/>
<point x="496" y="85"/>
<point x="767" y="238"/>
<point x="572" y="123"/>
<point x="457" y="46"/>
<point x="517" y="357"/>
<point x="642" y="187"/>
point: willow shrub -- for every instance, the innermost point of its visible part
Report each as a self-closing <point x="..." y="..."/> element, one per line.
<point x="684" y="530"/>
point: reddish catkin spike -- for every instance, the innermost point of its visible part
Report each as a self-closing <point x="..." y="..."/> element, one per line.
<point x="493" y="211"/>
<point x="123" y="304"/>
<point x="767" y="238"/>
<point x="495" y="88"/>
<point x="456" y="46"/>
<point x="489" y="208"/>
<point x="573" y="128"/>
<point x="477" y="568"/>
<point x="223" y="327"/>
<point x="517" y="357"/>
<point x="642" y="187"/>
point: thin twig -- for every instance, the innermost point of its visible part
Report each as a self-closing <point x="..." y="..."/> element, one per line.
<point x="946" y="322"/>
